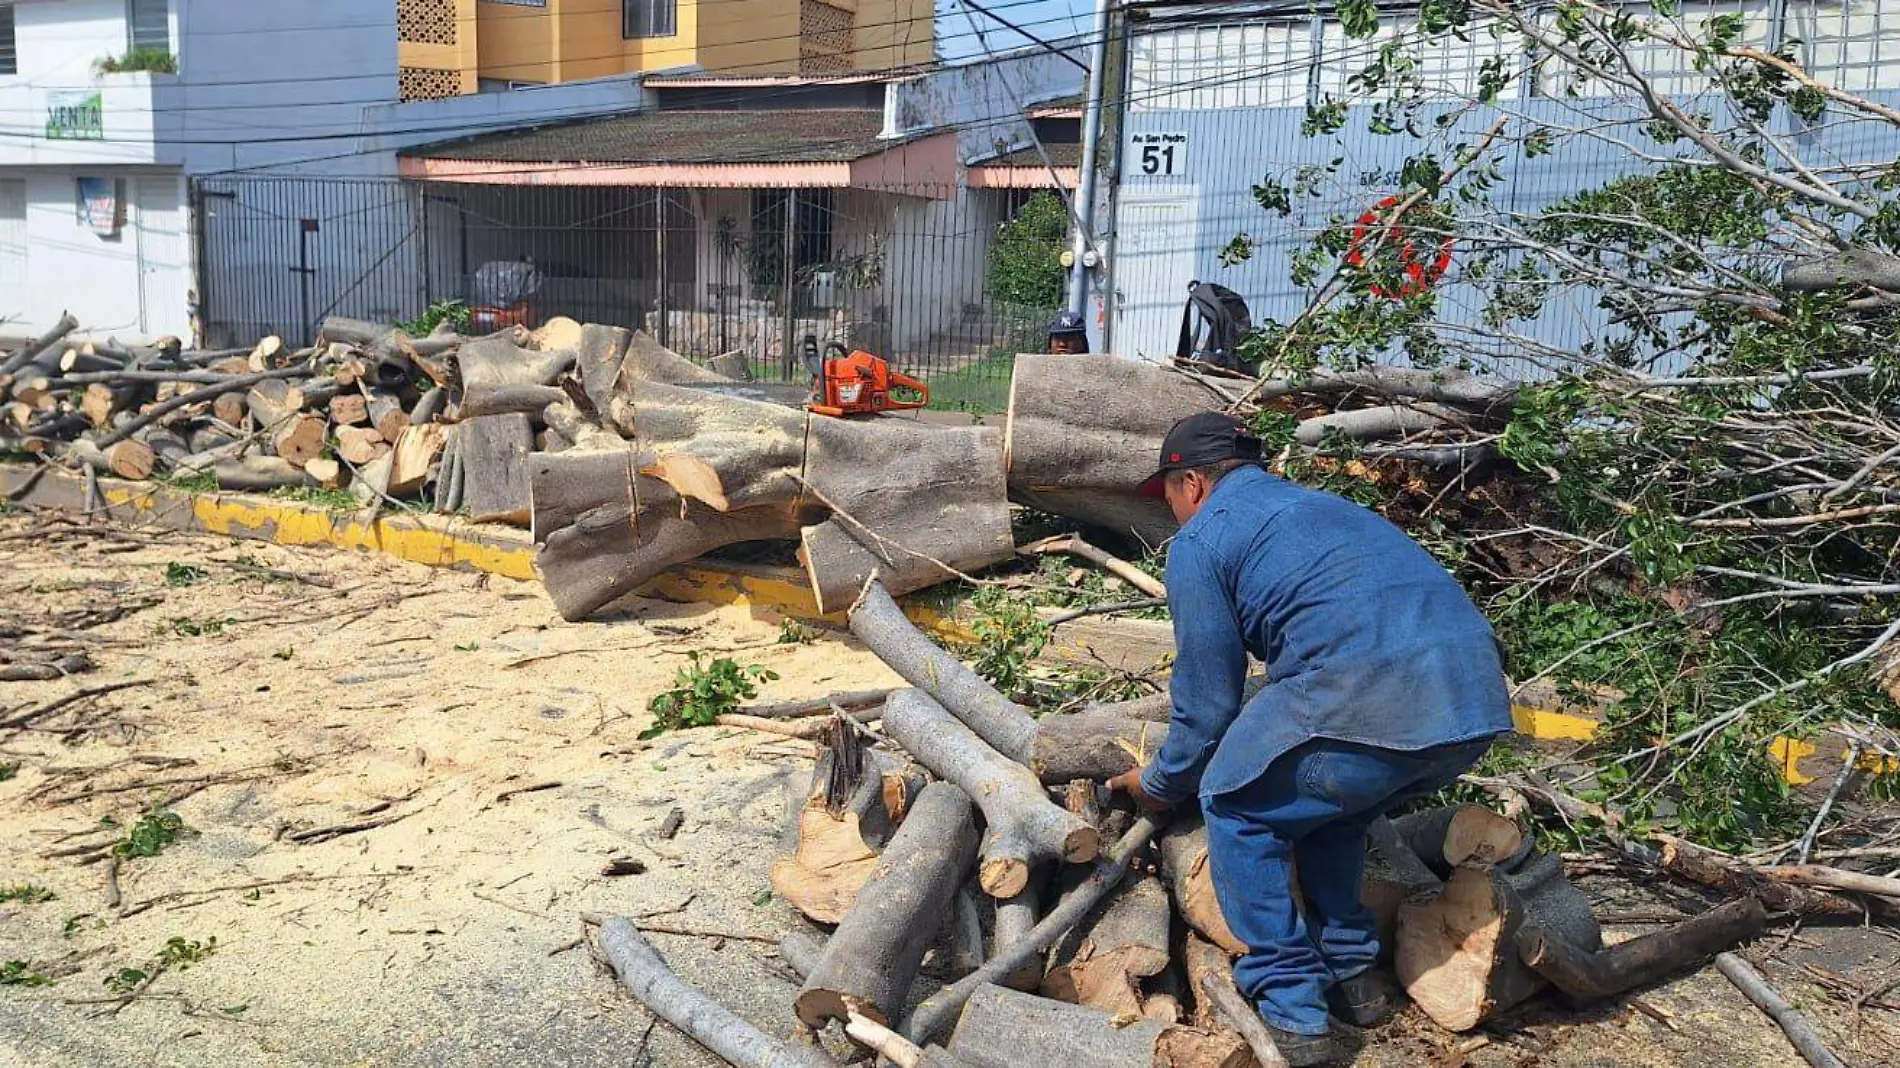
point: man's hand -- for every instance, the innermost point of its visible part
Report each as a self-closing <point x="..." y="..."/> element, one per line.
<point x="1130" y="783"/>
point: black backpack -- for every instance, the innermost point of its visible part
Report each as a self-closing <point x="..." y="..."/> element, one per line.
<point x="1212" y="325"/>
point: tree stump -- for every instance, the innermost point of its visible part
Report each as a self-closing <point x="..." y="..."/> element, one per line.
<point x="872" y="958"/>
<point x="1457" y="954"/>
<point x="1024" y="826"/>
<point x="494" y="452"/>
<point x="836" y="839"/>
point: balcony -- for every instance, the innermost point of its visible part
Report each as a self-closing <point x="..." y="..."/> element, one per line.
<point x="132" y="118"/>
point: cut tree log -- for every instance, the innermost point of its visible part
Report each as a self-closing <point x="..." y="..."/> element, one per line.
<point x="1454" y="836"/>
<point x="1004" y="1028"/>
<point x="1102" y="962"/>
<point x="1082" y="433"/>
<point x="598" y="357"/>
<point x="349" y="409"/>
<point x="126" y="459"/>
<point x="1024" y="827"/>
<point x="325" y="474"/>
<point x="1015" y="918"/>
<point x="1857" y="882"/>
<point x="416" y="450"/>
<point x="494" y="453"/>
<point x="39" y="346"/>
<point x="1586" y="977"/>
<point x="933" y="1016"/>
<point x="1724" y="873"/>
<point x="894" y="1049"/>
<point x="162" y="409"/>
<point x="429" y="407"/>
<point x="870" y="961"/>
<point x="800" y="948"/>
<point x="1093" y="744"/>
<point x="370" y="482"/>
<point x="646" y="360"/>
<point x="1184" y="866"/>
<point x="1394" y="875"/>
<point x="358" y="444"/>
<point x="299" y="438"/>
<point x="230" y="409"/>
<point x="257" y="474"/>
<point x="271" y="401"/>
<point x="642" y="970"/>
<point x="1457" y="953"/>
<point x="499" y="377"/>
<point x="1219" y="1004"/>
<point x="387" y="416"/>
<point x="836" y="839"/>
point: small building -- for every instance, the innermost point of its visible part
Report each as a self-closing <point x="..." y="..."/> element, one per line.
<point x="746" y="213"/>
<point x="453" y="47"/>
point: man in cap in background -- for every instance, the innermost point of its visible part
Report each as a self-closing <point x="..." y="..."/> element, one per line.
<point x="1068" y="335"/>
<point x="1384" y="682"/>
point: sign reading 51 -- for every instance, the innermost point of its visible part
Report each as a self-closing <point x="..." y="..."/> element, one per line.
<point x="1159" y="155"/>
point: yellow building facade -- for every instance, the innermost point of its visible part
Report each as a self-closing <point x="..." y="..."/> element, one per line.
<point x="452" y="47"/>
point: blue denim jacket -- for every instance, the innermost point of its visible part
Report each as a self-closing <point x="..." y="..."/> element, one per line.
<point x="1365" y="636"/>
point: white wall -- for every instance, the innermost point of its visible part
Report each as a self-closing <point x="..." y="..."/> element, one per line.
<point x="60" y="40"/>
<point x="985" y="102"/>
<point x="133" y="284"/>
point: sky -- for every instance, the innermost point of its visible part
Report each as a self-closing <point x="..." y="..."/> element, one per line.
<point x="1044" y="18"/>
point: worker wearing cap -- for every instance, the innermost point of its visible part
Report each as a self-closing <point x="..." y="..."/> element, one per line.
<point x="1068" y="335"/>
<point x="1384" y="683"/>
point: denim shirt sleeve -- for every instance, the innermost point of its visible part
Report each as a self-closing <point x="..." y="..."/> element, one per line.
<point x="1210" y="670"/>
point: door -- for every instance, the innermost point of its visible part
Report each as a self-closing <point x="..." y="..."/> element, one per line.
<point x="164" y="270"/>
<point x="1156" y="235"/>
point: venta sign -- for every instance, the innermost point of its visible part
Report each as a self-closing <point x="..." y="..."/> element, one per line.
<point x="75" y="117"/>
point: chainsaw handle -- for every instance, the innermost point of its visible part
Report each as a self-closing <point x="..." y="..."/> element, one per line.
<point x="922" y="388"/>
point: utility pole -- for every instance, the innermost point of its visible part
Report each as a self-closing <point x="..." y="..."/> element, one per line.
<point x="1091" y="150"/>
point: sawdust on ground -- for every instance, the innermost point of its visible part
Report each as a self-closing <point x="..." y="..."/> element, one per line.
<point x="445" y="934"/>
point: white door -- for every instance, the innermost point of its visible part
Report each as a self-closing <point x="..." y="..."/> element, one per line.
<point x="12" y="247"/>
<point x="164" y="251"/>
<point x="1155" y="239"/>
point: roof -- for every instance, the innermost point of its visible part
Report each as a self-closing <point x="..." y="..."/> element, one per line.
<point x="822" y="135"/>
<point x="703" y="78"/>
<point x="1068" y="107"/>
<point x="1060" y="155"/>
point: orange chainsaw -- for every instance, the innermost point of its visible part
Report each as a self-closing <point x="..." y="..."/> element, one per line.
<point x="857" y="383"/>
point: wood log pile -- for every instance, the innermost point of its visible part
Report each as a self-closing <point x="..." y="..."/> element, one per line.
<point x="1060" y="927"/>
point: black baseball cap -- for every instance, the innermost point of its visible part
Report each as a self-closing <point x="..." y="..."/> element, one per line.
<point x="1201" y="438"/>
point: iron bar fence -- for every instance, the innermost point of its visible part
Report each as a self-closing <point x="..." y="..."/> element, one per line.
<point x="900" y="272"/>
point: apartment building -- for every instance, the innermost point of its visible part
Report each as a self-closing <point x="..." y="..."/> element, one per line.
<point x="455" y="47"/>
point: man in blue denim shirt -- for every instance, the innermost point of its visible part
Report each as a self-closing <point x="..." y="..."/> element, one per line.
<point x="1384" y="683"/>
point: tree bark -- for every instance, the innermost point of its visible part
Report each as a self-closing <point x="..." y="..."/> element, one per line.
<point x="933" y="1015"/>
<point x="1015" y="918"/>
<point x="1184" y="866"/>
<point x="871" y="960"/>
<point x="494" y="453"/>
<point x="1102" y="962"/>
<point x="1024" y="826"/>
<point x="646" y="360"/>
<point x="40" y="346"/>
<point x="800" y="950"/>
<point x="1730" y="876"/>
<point x="1082" y="433"/>
<point x="601" y="351"/>
<point x="1457" y="953"/>
<point x="256" y="474"/>
<point x="387" y="416"/>
<point x="1219" y="1004"/>
<point x="1003" y="1028"/>
<point x="1074" y="545"/>
<point x="1801" y="1034"/>
<point x="1586" y="977"/>
<point x="644" y="972"/>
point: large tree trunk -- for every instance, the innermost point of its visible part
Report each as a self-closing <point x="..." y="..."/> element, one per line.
<point x="1083" y="431"/>
<point x="644" y="972"/>
<point x="1184" y="866"/>
<point x="870" y="961"/>
<point x="749" y="469"/>
<point x="494" y="452"/>
<point x="1003" y="1028"/>
<point x="1024" y="827"/>
<point x="1457" y="953"/>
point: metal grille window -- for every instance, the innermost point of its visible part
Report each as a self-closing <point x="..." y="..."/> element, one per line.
<point x="9" y="57"/>
<point x="149" y="25"/>
<point x="649" y="18"/>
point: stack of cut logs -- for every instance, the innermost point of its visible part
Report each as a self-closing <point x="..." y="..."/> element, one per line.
<point x="1079" y="933"/>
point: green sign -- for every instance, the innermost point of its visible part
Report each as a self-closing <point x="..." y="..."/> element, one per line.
<point x="75" y="117"/>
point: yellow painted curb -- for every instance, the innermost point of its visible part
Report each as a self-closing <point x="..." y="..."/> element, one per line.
<point x="451" y="542"/>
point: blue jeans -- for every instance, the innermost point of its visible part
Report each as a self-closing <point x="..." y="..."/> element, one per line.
<point x="1311" y="807"/>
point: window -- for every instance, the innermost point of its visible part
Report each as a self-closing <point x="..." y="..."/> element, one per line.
<point x="9" y="59"/>
<point x="648" y="18"/>
<point x="149" y="25"/>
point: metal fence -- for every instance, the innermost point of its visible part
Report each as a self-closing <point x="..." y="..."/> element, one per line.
<point x="706" y="271"/>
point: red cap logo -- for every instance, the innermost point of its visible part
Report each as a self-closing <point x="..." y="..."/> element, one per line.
<point x="1174" y="457"/>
